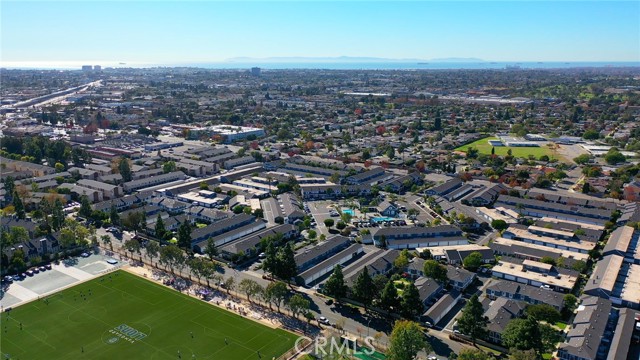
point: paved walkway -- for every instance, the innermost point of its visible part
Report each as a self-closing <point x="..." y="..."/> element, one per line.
<point x="21" y="292"/>
<point x="73" y="272"/>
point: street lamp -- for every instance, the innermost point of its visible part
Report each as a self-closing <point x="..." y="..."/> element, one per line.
<point x="368" y="328"/>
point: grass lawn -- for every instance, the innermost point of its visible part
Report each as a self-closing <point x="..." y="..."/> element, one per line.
<point x="401" y="285"/>
<point x="128" y="317"/>
<point x="484" y="147"/>
<point x="561" y="325"/>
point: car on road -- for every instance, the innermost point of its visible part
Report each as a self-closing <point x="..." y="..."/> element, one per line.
<point x="324" y="320"/>
<point x="329" y="301"/>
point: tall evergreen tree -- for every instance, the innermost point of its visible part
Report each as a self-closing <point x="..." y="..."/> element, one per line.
<point x="18" y="206"/>
<point x="184" y="235"/>
<point x="411" y="304"/>
<point x="160" y="229"/>
<point x="335" y="284"/>
<point x="389" y="298"/>
<point x="363" y="288"/>
<point x="473" y="322"/>
<point x="57" y="215"/>
<point x="114" y="216"/>
<point x="287" y="267"/>
<point x="85" y="207"/>
<point x="125" y="169"/>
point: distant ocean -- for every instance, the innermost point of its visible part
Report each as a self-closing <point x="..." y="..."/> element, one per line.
<point x="416" y="66"/>
<point x="331" y="65"/>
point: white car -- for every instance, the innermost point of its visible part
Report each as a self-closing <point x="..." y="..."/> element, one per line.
<point x="324" y="320"/>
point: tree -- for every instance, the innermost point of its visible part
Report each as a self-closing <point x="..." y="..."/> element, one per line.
<point x="85" y="207"/>
<point x="570" y="302"/>
<point x="106" y="240"/>
<point x="18" y="206"/>
<point x="473" y="322"/>
<point x="328" y="223"/>
<point x="132" y="245"/>
<point x="59" y="167"/>
<point x="582" y="159"/>
<point x="184" y="235"/>
<point x="614" y="157"/>
<point x="473" y="261"/>
<point x="124" y="168"/>
<point x="402" y="260"/>
<point x="279" y="220"/>
<point x="114" y="216"/>
<point x="171" y="256"/>
<point x="591" y="134"/>
<point x="287" y="268"/>
<point x="363" y="288"/>
<point x="523" y="334"/>
<point x="411" y="304"/>
<point x="229" y="284"/>
<point x="473" y="354"/>
<point x="210" y="250"/>
<point x="436" y="271"/>
<point x="334" y="286"/>
<point x="153" y="250"/>
<point x="389" y="298"/>
<point x="499" y="225"/>
<point x="275" y="293"/>
<point x="249" y="287"/>
<point x="160" y="229"/>
<point x="298" y="305"/>
<point x="543" y="312"/>
<point x="196" y="264"/>
<point x="406" y="341"/>
<point x="57" y="215"/>
<point x="169" y="166"/>
<point x="9" y="184"/>
<point x="530" y="354"/>
<point x="341" y="225"/>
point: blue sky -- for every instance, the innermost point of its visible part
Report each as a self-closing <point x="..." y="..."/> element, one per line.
<point x="166" y="32"/>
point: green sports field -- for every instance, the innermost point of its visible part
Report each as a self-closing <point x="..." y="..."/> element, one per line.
<point x="122" y="316"/>
<point x="484" y="147"/>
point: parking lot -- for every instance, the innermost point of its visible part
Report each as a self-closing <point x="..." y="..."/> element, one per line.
<point x="66" y="273"/>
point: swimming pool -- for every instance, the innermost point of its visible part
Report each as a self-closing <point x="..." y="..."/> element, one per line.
<point x="382" y="219"/>
<point x="348" y="212"/>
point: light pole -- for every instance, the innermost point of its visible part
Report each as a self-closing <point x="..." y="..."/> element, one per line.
<point x="368" y="328"/>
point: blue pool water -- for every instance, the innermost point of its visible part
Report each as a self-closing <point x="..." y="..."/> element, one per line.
<point x="381" y="219"/>
<point x="349" y="212"/>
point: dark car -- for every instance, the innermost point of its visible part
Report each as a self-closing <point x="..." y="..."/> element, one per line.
<point x="48" y="266"/>
<point x="329" y="301"/>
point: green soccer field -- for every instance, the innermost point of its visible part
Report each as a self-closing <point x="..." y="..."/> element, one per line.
<point x="122" y="316"/>
<point x="484" y="147"/>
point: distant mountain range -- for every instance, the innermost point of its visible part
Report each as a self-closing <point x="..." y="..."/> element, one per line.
<point x="345" y="59"/>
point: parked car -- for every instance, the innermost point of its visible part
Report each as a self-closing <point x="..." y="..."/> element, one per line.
<point x="324" y="320"/>
<point x="42" y="268"/>
<point x="48" y="266"/>
<point x="329" y="301"/>
<point x="85" y="254"/>
<point x="30" y="272"/>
